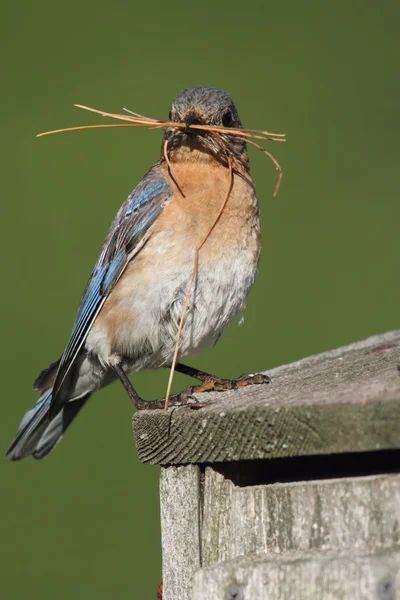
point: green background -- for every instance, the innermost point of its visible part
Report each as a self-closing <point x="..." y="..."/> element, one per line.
<point x="85" y="522"/>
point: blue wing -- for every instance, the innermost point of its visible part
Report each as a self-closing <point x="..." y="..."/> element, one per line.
<point x="129" y="231"/>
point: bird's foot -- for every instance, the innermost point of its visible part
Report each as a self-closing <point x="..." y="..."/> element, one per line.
<point x="216" y="384"/>
<point x="209" y="383"/>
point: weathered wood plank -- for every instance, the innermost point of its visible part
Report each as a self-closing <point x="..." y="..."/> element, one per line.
<point x="208" y="521"/>
<point x="360" y="513"/>
<point x="345" y="577"/>
<point x="346" y="400"/>
<point x="180" y="515"/>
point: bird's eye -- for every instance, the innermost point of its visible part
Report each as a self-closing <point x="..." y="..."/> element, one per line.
<point x="227" y="119"/>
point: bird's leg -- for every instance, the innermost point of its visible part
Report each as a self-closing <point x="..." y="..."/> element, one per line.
<point x="181" y="399"/>
<point x="211" y="383"/>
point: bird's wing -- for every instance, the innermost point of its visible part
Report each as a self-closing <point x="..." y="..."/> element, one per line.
<point x="129" y="231"/>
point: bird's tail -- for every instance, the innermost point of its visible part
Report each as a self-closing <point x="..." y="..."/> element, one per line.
<point x="38" y="433"/>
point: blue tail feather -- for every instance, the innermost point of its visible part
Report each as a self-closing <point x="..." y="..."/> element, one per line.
<point x="31" y="428"/>
<point x="39" y="432"/>
<point x="58" y="425"/>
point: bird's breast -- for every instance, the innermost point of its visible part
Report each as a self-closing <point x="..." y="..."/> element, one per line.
<point x="141" y="316"/>
<point x="193" y="215"/>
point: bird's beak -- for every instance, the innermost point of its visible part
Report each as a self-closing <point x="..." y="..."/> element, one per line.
<point x="191" y="120"/>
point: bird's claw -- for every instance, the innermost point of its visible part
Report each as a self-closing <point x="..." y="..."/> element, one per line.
<point x="214" y="384"/>
<point x="252" y="379"/>
<point x="185" y="400"/>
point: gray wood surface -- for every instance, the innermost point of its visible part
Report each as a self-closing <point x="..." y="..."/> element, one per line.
<point x="336" y="539"/>
<point x="361" y="514"/>
<point x="345" y="400"/>
<point x="346" y="577"/>
<point x="219" y="530"/>
<point x="180" y="530"/>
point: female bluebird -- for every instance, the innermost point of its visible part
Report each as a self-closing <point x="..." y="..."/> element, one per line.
<point x="130" y="311"/>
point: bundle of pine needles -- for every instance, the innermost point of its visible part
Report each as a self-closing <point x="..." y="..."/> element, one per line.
<point x="136" y="120"/>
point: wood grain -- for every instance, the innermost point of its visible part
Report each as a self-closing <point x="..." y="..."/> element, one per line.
<point x="180" y="529"/>
<point x="361" y="514"/>
<point x="346" y="577"/>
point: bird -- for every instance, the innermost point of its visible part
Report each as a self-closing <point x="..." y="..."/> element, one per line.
<point x="130" y="311"/>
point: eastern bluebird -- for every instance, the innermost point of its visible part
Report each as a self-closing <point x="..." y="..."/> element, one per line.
<point x="130" y="311"/>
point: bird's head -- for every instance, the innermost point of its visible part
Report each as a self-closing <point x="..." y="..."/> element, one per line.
<point x="205" y="106"/>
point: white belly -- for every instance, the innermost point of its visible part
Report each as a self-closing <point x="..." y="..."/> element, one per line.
<point x="146" y="337"/>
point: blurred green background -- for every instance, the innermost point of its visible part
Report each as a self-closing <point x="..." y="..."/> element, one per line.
<point x="85" y="522"/>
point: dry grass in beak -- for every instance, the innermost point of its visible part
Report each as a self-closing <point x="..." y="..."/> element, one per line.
<point x="135" y="120"/>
